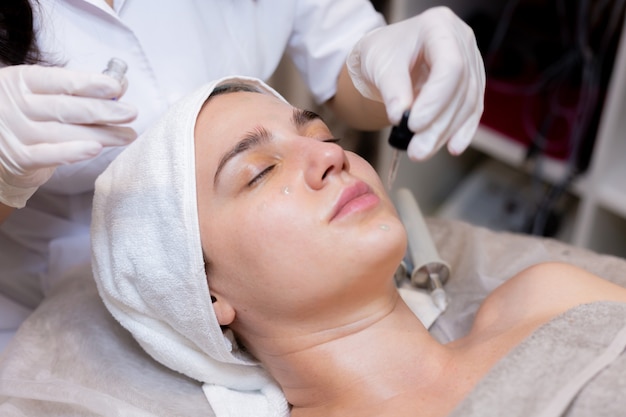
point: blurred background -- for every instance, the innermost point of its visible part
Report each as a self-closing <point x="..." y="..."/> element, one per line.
<point x="548" y="158"/>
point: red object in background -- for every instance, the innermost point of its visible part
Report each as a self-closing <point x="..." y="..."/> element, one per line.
<point x="548" y="66"/>
<point x="518" y="110"/>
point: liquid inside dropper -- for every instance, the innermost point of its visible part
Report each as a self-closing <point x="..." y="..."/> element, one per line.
<point x="393" y="168"/>
<point x="399" y="139"/>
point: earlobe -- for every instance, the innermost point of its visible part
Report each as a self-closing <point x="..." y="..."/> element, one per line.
<point x="224" y="312"/>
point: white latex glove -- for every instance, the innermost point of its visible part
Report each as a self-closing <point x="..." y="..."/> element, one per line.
<point x="51" y="116"/>
<point x="431" y="65"/>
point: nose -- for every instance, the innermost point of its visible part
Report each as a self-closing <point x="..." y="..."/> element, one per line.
<point x="324" y="159"/>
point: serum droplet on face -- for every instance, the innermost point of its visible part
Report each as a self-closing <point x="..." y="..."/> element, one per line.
<point x="286" y="190"/>
<point x="384" y="227"/>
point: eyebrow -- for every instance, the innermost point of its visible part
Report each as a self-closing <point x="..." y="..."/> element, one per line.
<point x="259" y="136"/>
<point x="301" y="118"/>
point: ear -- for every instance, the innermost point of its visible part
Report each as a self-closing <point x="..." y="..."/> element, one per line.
<point x="224" y="312"/>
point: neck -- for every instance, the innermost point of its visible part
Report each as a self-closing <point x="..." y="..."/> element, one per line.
<point x="364" y="363"/>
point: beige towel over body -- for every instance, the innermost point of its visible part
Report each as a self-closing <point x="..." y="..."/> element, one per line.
<point x="148" y="264"/>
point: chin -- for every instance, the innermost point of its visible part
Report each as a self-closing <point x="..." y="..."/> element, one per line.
<point x="387" y="245"/>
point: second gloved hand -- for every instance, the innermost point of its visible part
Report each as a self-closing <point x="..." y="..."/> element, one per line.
<point x="431" y="65"/>
<point x="51" y="116"/>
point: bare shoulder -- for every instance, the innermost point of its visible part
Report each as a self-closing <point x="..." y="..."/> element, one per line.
<point x="542" y="291"/>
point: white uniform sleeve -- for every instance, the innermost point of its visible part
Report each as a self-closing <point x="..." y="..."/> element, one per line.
<point x="324" y="33"/>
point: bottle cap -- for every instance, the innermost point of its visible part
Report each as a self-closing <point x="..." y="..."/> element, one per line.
<point x="400" y="135"/>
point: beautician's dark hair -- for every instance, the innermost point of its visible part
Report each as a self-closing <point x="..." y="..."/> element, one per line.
<point x="17" y="35"/>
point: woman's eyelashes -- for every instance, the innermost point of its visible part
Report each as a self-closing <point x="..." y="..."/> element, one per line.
<point x="257" y="178"/>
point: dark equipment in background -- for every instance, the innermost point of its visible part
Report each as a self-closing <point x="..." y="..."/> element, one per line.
<point x="548" y="65"/>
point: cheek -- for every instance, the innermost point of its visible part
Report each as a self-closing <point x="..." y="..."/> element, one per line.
<point x="270" y="246"/>
<point x="263" y="237"/>
<point x="278" y="229"/>
<point x="291" y="248"/>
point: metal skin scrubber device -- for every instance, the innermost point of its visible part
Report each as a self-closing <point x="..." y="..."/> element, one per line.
<point x="425" y="268"/>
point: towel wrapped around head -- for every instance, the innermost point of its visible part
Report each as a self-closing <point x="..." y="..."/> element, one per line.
<point x="149" y="268"/>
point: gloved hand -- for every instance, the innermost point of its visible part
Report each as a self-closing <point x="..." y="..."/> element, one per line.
<point x="51" y="116"/>
<point x="430" y="64"/>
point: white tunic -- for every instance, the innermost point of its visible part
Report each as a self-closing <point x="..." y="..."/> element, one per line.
<point x="171" y="48"/>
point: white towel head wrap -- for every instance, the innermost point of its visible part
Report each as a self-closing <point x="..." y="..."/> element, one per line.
<point x="149" y="268"/>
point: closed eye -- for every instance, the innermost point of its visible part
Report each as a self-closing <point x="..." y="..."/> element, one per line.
<point x="261" y="175"/>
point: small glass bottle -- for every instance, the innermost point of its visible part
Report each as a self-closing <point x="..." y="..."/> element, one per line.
<point x="116" y="68"/>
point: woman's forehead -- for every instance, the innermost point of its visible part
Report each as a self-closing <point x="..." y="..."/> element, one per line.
<point x="225" y="116"/>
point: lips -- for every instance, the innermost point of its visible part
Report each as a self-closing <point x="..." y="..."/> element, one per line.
<point x="354" y="198"/>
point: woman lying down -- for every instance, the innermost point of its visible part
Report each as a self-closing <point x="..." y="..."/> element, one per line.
<point x="243" y="247"/>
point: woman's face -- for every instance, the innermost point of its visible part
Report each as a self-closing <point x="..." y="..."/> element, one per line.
<point x="292" y="224"/>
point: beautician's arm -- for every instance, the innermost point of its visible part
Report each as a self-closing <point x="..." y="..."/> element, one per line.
<point x="5" y="211"/>
<point x="354" y="109"/>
